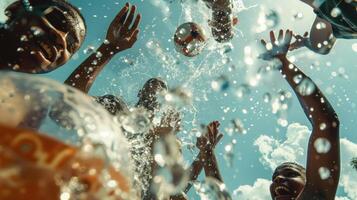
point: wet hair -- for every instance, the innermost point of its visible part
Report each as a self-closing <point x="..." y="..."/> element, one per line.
<point x="73" y="16"/>
<point x="294" y="165"/>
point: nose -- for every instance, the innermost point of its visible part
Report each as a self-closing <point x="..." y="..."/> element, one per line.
<point x="279" y="179"/>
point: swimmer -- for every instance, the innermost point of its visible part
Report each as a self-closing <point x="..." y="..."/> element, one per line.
<point x="121" y="35"/>
<point x="335" y="19"/>
<point x="41" y="37"/>
<point x="290" y="180"/>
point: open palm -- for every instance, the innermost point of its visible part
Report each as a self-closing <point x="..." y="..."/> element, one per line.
<point x="276" y="48"/>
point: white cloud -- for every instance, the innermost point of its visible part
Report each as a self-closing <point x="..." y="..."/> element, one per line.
<point x="259" y="191"/>
<point x="274" y="152"/>
<point x="293" y="148"/>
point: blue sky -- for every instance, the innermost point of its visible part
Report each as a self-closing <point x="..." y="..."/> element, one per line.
<point x="259" y="150"/>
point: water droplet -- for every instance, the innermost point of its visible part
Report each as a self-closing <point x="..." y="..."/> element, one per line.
<point x="229" y="154"/>
<point x="136" y="121"/>
<point x="242" y="90"/>
<point x="306" y="87"/>
<point x="323" y="126"/>
<point x="220" y="84"/>
<point x="24" y="38"/>
<point x="324" y="173"/>
<point x="20" y="49"/>
<point x="89" y="50"/>
<point x="322" y="145"/>
<point x="335" y="12"/>
<point x="37" y="31"/>
<point x="297" y="79"/>
<point x="211" y="189"/>
<point x="354" y="47"/>
<point x="98" y="54"/>
<point x="266" y="97"/>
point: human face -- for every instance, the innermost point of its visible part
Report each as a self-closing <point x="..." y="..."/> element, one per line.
<point x="41" y="39"/>
<point x="288" y="183"/>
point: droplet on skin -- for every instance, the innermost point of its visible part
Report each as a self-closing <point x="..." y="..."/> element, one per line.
<point x="322" y="145"/>
<point x="324" y="173"/>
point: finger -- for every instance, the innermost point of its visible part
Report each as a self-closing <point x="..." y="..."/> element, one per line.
<point x="136" y="23"/>
<point x="281" y="35"/>
<point x="288" y="36"/>
<point x="130" y="18"/>
<point x="220" y="136"/>
<point x="122" y="14"/>
<point x="272" y="37"/>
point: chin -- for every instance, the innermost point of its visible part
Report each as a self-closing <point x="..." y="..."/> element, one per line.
<point x="284" y="197"/>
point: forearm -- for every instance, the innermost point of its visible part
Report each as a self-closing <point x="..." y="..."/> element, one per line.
<point x="314" y="103"/>
<point x="83" y="77"/>
<point x="194" y="170"/>
<point x="211" y="166"/>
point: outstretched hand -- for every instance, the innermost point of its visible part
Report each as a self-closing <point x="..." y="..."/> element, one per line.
<point x="300" y="41"/>
<point x="276" y="48"/>
<point x="209" y="140"/>
<point x="121" y="35"/>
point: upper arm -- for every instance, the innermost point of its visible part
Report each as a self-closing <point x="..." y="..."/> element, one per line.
<point x="321" y="36"/>
<point x="323" y="161"/>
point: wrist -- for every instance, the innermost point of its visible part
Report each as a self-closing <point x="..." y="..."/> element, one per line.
<point x="107" y="50"/>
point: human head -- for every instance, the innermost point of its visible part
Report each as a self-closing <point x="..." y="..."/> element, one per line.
<point x="288" y="181"/>
<point x="42" y="35"/>
<point x="147" y="95"/>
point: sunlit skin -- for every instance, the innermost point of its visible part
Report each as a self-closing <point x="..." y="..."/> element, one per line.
<point x="40" y="40"/>
<point x="121" y="35"/>
<point x="319" y="111"/>
<point x="287" y="183"/>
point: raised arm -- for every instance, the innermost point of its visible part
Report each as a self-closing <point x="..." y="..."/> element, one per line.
<point x="323" y="156"/>
<point x="120" y="36"/>
<point x="206" y="144"/>
<point x="210" y="162"/>
<point x="321" y="39"/>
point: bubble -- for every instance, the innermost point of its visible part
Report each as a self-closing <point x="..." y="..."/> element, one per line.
<point x="177" y="97"/>
<point x="212" y="189"/>
<point x="238" y="126"/>
<point x="242" y="90"/>
<point x="266" y="97"/>
<point x="335" y="12"/>
<point x="320" y="25"/>
<point x="306" y="87"/>
<point x="37" y="31"/>
<point x="324" y="173"/>
<point x="98" y="54"/>
<point x="89" y="50"/>
<point x="322" y="145"/>
<point x="298" y="16"/>
<point x="220" y="84"/>
<point x="297" y="78"/>
<point x="136" y="121"/>
<point x="267" y="20"/>
<point x="229" y="154"/>
<point x="323" y="126"/>
<point x="170" y="177"/>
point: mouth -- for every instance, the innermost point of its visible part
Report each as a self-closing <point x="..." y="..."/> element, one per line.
<point x="49" y="52"/>
<point x="282" y="191"/>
